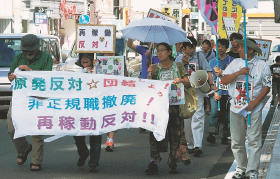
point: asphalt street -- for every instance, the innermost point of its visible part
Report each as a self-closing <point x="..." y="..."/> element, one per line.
<point x="129" y="159"/>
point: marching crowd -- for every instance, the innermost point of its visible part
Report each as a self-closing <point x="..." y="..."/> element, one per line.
<point x="227" y="96"/>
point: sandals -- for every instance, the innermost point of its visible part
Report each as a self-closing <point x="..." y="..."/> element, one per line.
<point x="24" y="156"/>
<point x="35" y="165"/>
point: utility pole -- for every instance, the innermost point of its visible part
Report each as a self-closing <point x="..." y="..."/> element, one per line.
<point x="276" y="11"/>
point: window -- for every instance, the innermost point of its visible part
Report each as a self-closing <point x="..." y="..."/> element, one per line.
<point x="116" y="9"/>
<point x="276" y="48"/>
<point x="8" y="49"/>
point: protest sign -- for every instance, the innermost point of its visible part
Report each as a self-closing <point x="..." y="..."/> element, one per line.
<point x="229" y="25"/>
<point x="227" y="9"/>
<point x="78" y="104"/>
<point x="95" y="38"/>
<point x="265" y="46"/>
<point x="173" y="10"/>
<point x="111" y="65"/>
<point x="221" y="85"/>
<point x="156" y="14"/>
<point x="177" y="94"/>
<point x="240" y="93"/>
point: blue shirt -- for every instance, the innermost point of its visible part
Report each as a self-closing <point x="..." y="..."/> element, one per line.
<point x="222" y="65"/>
<point x="209" y="55"/>
<point x="142" y="50"/>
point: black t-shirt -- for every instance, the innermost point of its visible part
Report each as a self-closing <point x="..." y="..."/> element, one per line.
<point x="234" y="55"/>
<point x="275" y="70"/>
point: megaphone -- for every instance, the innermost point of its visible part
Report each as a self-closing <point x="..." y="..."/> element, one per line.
<point x="199" y="80"/>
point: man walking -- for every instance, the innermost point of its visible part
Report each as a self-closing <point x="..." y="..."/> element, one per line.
<point x="259" y="85"/>
<point x="194" y="127"/>
<point x="275" y="71"/>
<point x="31" y="58"/>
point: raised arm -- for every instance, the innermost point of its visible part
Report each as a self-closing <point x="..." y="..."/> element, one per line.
<point x="131" y="45"/>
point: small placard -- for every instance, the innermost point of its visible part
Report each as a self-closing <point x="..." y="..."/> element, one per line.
<point x="265" y="46"/>
<point x="95" y="38"/>
<point x="111" y="65"/>
<point x="229" y="25"/>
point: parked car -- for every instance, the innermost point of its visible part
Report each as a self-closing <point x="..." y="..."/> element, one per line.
<point x="275" y="51"/>
<point x="9" y="47"/>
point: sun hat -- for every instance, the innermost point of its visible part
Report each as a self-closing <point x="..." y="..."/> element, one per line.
<point x="250" y="44"/>
<point x="30" y="42"/>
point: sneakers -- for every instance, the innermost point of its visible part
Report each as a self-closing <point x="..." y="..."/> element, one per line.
<point x="211" y="139"/>
<point x="152" y="168"/>
<point x="252" y="175"/>
<point x="197" y="152"/>
<point x="238" y="174"/>
<point x="109" y="145"/>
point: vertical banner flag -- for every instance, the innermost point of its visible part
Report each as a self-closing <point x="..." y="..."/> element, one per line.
<point x="247" y="4"/>
<point x="227" y="9"/>
<point x="209" y="13"/>
<point x="78" y="104"/>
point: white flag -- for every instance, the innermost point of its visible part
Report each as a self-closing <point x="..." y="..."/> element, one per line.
<point x="247" y="4"/>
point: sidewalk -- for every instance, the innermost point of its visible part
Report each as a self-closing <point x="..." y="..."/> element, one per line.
<point x="274" y="164"/>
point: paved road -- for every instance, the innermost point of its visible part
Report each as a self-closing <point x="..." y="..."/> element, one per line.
<point x="129" y="160"/>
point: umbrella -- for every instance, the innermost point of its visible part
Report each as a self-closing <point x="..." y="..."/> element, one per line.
<point x="155" y="30"/>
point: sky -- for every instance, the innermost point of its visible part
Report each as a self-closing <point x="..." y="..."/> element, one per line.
<point x="145" y="5"/>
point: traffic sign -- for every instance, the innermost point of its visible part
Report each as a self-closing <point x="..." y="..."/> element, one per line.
<point x="84" y="19"/>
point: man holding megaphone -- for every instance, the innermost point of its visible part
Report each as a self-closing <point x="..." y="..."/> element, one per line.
<point x="195" y="62"/>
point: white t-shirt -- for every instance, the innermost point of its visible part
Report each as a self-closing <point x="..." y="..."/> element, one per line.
<point x="259" y="77"/>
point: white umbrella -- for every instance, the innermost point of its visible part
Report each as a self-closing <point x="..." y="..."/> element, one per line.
<point x="154" y="30"/>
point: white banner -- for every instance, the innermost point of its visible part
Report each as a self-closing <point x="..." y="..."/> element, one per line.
<point x="77" y="104"/>
<point x="247" y="4"/>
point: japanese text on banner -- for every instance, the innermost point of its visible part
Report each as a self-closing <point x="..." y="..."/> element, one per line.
<point x="63" y="103"/>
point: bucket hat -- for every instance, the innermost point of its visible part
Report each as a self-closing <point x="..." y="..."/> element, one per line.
<point x="30" y="42"/>
<point x="251" y="44"/>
